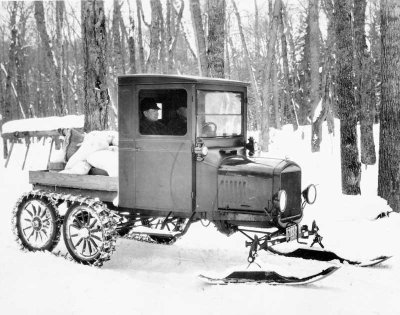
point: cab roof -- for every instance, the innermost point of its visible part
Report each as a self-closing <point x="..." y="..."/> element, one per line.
<point x="180" y="79"/>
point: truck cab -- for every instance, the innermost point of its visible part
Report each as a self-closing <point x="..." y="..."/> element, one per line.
<point x="205" y="168"/>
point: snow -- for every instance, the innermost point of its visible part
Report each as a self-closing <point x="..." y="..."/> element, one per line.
<point x="45" y="124"/>
<point x="144" y="278"/>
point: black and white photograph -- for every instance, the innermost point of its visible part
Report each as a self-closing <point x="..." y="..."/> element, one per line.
<point x="174" y="157"/>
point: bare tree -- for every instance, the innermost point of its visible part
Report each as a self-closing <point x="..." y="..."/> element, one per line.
<point x="142" y="65"/>
<point x="247" y="56"/>
<point x="264" y="138"/>
<point x="216" y="38"/>
<point x="21" y="60"/>
<point x="389" y="141"/>
<point x="351" y="167"/>
<point x="314" y="71"/>
<point x="119" y="66"/>
<point x="173" y="35"/>
<point x="199" y="36"/>
<point x="155" y="40"/>
<point x="131" y="43"/>
<point x="54" y="66"/>
<point x="7" y="112"/>
<point x="96" y="97"/>
<point x="363" y="82"/>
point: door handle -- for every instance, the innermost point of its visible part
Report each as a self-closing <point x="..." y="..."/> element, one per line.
<point x="137" y="148"/>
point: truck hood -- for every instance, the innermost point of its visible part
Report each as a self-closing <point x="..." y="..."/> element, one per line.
<point x="250" y="184"/>
<point x="256" y="167"/>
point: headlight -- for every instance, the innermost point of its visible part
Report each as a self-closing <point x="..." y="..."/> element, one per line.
<point x="200" y="150"/>
<point x="281" y="201"/>
<point x="310" y="194"/>
<point x="204" y="150"/>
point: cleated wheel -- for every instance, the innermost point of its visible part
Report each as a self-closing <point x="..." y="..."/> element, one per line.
<point x="37" y="223"/>
<point x="89" y="233"/>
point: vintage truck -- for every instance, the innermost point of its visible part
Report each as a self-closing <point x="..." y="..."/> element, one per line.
<point x="168" y="181"/>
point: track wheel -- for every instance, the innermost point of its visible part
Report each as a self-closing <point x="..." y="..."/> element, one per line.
<point x="37" y="223"/>
<point x="89" y="233"/>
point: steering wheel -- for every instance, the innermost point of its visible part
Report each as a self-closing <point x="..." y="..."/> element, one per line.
<point x="209" y="129"/>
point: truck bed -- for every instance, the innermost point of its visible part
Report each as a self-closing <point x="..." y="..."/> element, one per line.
<point x="103" y="187"/>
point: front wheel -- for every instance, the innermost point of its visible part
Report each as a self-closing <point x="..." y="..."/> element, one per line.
<point x="89" y="232"/>
<point x="37" y="223"/>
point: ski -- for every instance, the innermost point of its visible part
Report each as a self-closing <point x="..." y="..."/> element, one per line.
<point x="268" y="277"/>
<point x="323" y="255"/>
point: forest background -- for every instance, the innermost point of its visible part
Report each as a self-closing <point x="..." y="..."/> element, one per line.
<point x="307" y="62"/>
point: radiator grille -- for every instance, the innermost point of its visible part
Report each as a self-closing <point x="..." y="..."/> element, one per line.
<point x="291" y="183"/>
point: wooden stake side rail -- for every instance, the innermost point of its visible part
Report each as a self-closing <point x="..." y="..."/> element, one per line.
<point x="84" y="182"/>
<point x="41" y="133"/>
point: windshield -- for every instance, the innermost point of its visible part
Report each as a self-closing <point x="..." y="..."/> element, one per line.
<point x="219" y="114"/>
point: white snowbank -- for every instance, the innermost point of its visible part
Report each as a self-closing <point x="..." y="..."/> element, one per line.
<point x="43" y="124"/>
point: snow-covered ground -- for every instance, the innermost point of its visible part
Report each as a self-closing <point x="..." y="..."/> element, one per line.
<point x="144" y="278"/>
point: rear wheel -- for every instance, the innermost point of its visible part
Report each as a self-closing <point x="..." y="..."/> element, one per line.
<point x="37" y="223"/>
<point x="89" y="233"/>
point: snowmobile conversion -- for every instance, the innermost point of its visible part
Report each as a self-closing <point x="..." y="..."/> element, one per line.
<point x="168" y="177"/>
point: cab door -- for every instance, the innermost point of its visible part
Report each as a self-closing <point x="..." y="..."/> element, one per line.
<point x="163" y="164"/>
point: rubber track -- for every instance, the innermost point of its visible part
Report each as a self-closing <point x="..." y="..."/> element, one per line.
<point x="108" y="220"/>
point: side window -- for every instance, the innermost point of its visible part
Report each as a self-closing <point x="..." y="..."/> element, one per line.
<point x="163" y="112"/>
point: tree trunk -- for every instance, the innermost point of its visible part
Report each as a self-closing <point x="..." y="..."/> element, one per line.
<point x="363" y="80"/>
<point x="329" y="67"/>
<point x="199" y="36"/>
<point x="247" y="57"/>
<point x="142" y="66"/>
<point x="275" y="94"/>
<point x="155" y="41"/>
<point x="119" y="67"/>
<point x="96" y="97"/>
<point x="54" y="67"/>
<point x="264" y="138"/>
<point x="21" y="60"/>
<point x="389" y="141"/>
<point x="288" y="88"/>
<point x="216" y="38"/>
<point x="132" y="46"/>
<point x="294" y="79"/>
<point x="7" y="112"/>
<point x="163" y="38"/>
<point x="351" y="167"/>
<point x="314" y="72"/>
<point x="174" y="36"/>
